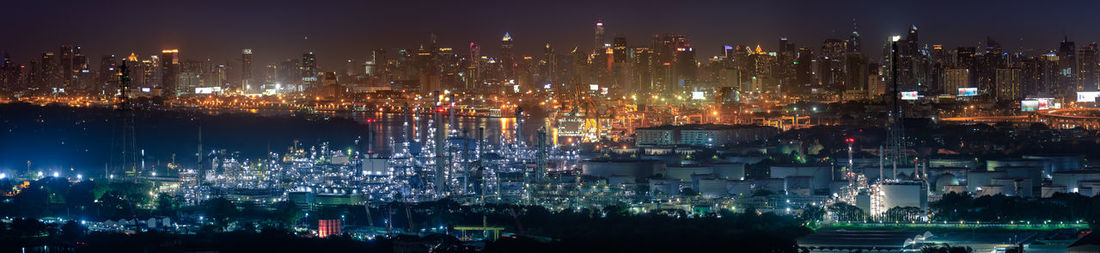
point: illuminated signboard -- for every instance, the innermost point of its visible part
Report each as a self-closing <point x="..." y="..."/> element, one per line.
<point x="968" y="92"/>
<point x="1029" y="105"/>
<point x="594" y="87"/>
<point x="208" y="90"/>
<point x="1036" y="104"/>
<point x="698" y="95"/>
<point x="1087" y="96"/>
<point x="909" y="95"/>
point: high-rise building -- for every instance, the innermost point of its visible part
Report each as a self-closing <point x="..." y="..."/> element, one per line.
<point x="1088" y="73"/>
<point x="804" y="72"/>
<point x="247" y="81"/>
<point x="308" y="71"/>
<point x="1008" y="84"/>
<point x="598" y="42"/>
<point x="955" y="79"/>
<point x="108" y="73"/>
<point x="507" y="58"/>
<point x="169" y="72"/>
<point x="1067" y="83"/>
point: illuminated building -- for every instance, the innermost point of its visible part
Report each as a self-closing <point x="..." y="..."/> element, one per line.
<point x="169" y="72"/>
<point x="246" y="70"/>
<point x="308" y="71"/>
<point x="507" y="58"/>
<point x="704" y="135"/>
<point x="1008" y="84"/>
<point x="1066" y="84"/>
<point x="955" y="79"/>
<point x="326" y="228"/>
<point x="598" y="42"/>
<point x="1088" y="75"/>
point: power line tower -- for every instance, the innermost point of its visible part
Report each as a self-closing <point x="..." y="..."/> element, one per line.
<point x="125" y="155"/>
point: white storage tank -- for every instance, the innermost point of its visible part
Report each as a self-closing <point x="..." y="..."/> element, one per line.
<point x="1049" y="190"/>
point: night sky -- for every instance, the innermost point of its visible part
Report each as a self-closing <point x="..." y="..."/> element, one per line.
<point x="340" y="30"/>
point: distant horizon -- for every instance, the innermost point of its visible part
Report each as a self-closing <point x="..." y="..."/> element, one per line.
<point x="341" y="30"/>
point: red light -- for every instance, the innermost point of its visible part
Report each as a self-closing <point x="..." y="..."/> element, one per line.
<point x="440" y="110"/>
<point x="849" y="140"/>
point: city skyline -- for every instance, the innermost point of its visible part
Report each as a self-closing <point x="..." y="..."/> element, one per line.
<point x="274" y="33"/>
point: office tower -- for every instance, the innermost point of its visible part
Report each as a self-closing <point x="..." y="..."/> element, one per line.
<point x="190" y="76"/>
<point x="218" y="76"/>
<point x="1008" y="84"/>
<point x="150" y="71"/>
<point x="909" y="60"/>
<point x="474" y="69"/>
<point x="45" y="73"/>
<point x="620" y="64"/>
<point x="108" y="73"/>
<point x="643" y="71"/>
<point x="941" y="61"/>
<point x="549" y="65"/>
<point x="965" y="58"/>
<point x="247" y="81"/>
<point x="855" y="43"/>
<point x="786" y="56"/>
<point x="831" y="65"/>
<point x="289" y="75"/>
<point x="9" y="74"/>
<point x="507" y="59"/>
<point x="65" y="63"/>
<point x="1066" y="84"/>
<point x="308" y="71"/>
<point x="855" y="76"/>
<point x="804" y="72"/>
<point x="169" y="72"/>
<point x="956" y="79"/>
<point x="598" y="43"/>
<point x="1088" y="74"/>
<point x="991" y="59"/>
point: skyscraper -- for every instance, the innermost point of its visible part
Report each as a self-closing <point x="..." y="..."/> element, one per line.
<point x="246" y="70"/>
<point x="169" y="72"/>
<point x="598" y="43"/>
<point x="1066" y="84"/>
<point x="308" y="71"/>
<point x="507" y="59"/>
<point x="1088" y="74"/>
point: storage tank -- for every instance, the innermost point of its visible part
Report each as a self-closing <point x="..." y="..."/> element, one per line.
<point x="944" y="180"/>
<point x="959" y="162"/>
<point x="731" y="171"/>
<point x="904" y="194"/>
<point x="1089" y="188"/>
<point x="740" y="187"/>
<point x="774" y="185"/>
<point x="1071" y="178"/>
<point x="959" y="189"/>
<point x="665" y="186"/>
<point x="978" y="178"/>
<point x="1059" y="162"/>
<point x="712" y="187"/>
<point x="1015" y="186"/>
<point x="821" y="175"/>
<point x="1049" y="190"/>
<point x="1035" y="174"/>
<point x="991" y="165"/>
<point x="684" y="173"/>
<point x="621" y="167"/>
<point x="799" y="185"/>
<point x="990" y="190"/>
